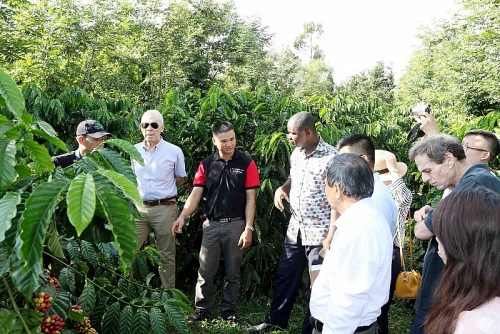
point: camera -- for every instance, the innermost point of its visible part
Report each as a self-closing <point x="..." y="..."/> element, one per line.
<point x="420" y="109"/>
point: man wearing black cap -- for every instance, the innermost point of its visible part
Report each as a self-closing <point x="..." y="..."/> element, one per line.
<point x="89" y="135"/>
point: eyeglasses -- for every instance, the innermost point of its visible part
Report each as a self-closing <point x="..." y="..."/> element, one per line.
<point x="467" y="147"/>
<point x="154" y="125"/>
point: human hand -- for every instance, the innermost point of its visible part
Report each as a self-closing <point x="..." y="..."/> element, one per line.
<point x="177" y="225"/>
<point x="421" y="214"/>
<point x="245" y="239"/>
<point x="428" y="124"/>
<point x="279" y="195"/>
<point x="390" y="160"/>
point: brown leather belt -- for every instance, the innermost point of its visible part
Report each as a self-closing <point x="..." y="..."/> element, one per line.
<point x="164" y="201"/>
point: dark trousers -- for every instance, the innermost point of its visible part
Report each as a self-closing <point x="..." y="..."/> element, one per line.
<point x="383" y="319"/>
<point x="291" y="267"/>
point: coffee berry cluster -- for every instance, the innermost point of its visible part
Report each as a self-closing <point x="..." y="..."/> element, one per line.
<point x="52" y="280"/>
<point x="52" y="325"/>
<point x="42" y="301"/>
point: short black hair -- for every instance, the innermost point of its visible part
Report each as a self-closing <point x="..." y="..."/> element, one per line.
<point x="303" y="120"/>
<point x="222" y="127"/>
<point x="361" y="144"/>
<point x="491" y="140"/>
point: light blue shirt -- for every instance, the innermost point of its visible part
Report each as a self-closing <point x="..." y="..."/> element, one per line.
<point x="162" y="164"/>
<point x="383" y="200"/>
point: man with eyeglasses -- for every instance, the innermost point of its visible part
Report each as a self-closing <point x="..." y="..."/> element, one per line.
<point x="163" y="171"/>
<point x="480" y="146"/>
<point x="89" y="135"/>
<point x="442" y="161"/>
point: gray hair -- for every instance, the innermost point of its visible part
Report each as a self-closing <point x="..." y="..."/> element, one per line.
<point x="303" y="120"/>
<point x="435" y="147"/>
<point x="352" y="174"/>
<point x="156" y="113"/>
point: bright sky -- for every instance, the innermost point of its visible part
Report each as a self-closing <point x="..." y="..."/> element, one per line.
<point x="357" y="33"/>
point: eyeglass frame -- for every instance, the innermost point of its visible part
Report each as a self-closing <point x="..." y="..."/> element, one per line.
<point x="146" y="125"/>
<point x="467" y="147"/>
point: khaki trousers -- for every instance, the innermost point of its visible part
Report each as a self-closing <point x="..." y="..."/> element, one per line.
<point x="160" y="219"/>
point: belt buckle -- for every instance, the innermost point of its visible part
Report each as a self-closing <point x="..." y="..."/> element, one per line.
<point x="224" y="220"/>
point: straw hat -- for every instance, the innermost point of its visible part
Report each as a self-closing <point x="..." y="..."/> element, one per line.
<point x="381" y="166"/>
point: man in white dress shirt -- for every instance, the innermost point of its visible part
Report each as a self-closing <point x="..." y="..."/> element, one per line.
<point x="157" y="180"/>
<point x="354" y="281"/>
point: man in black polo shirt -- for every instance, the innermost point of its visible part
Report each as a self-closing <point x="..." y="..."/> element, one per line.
<point x="230" y="179"/>
<point x="89" y="135"/>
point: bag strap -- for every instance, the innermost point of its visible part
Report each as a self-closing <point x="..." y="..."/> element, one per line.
<point x="401" y="245"/>
<point x="411" y="240"/>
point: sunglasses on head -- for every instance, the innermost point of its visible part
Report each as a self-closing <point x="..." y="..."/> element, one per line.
<point x="154" y="125"/>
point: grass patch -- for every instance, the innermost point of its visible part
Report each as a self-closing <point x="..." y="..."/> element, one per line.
<point x="252" y="312"/>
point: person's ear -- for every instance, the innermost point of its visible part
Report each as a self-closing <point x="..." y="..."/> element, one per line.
<point x="449" y="159"/>
<point x="338" y="191"/>
<point x="80" y="139"/>
<point x="486" y="157"/>
<point x="307" y="131"/>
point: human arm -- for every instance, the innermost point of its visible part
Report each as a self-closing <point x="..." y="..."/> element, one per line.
<point x="246" y="237"/>
<point x="282" y="193"/>
<point x="422" y="231"/>
<point x="179" y="180"/>
<point x="334" y="215"/>
<point x="180" y="169"/>
<point x="189" y="207"/>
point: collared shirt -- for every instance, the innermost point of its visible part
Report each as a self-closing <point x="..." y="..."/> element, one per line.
<point x="308" y="204"/>
<point x="353" y="283"/>
<point x="226" y="183"/>
<point x="384" y="202"/>
<point x="162" y="164"/>
<point x="402" y="196"/>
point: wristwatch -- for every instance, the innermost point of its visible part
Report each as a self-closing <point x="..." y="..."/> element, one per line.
<point x="249" y="227"/>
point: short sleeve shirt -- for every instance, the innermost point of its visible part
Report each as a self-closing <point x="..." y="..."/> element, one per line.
<point x="225" y="184"/>
<point x="162" y="164"/>
<point x="308" y="203"/>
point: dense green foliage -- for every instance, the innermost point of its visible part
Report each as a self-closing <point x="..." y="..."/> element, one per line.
<point x="198" y="62"/>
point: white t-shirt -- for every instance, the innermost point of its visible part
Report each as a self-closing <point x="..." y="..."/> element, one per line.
<point x="484" y="319"/>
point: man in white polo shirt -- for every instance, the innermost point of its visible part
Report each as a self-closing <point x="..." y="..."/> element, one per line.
<point x="158" y="179"/>
<point x="354" y="280"/>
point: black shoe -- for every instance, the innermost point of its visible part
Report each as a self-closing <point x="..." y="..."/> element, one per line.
<point x="229" y="315"/>
<point x="263" y="328"/>
<point x="199" y="315"/>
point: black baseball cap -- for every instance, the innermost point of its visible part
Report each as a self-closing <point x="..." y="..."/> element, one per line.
<point x="91" y="128"/>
